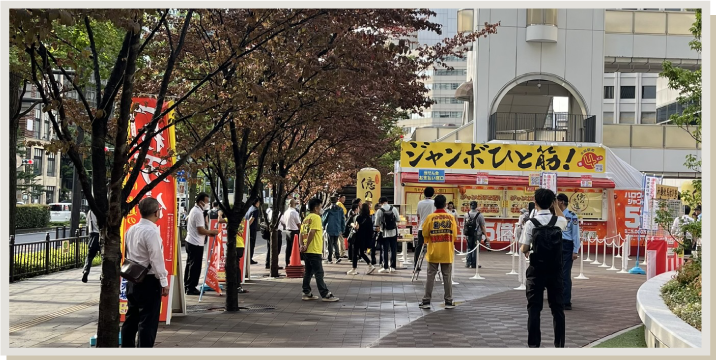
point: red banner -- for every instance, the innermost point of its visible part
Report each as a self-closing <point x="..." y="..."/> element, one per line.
<point x="158" y="159"/>
<point x="627" y="208"/>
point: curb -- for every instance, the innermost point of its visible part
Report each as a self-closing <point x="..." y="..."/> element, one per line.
<point x="595" y="343"/>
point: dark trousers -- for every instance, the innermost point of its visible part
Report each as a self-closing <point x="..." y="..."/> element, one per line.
<point x="358" y="251"/>
<point x="375" y="246"/>
<point x="333" y="247"/>
<point x="537" y="280"/>
<point x="93" y="249"/>
<point x="239" y="254"/>
<point x="314" y="268"/>
<point x="252" y="242"/>
<point x="390" y="247"/>
<point x="270" y="248"/>
<point x="471" y="257"/>
<point x="144" y="302"/>
<point x="418" y="248"/>
<point x="567" y="262"/>
<point x="289" y="244"/>
<point x="194" y="258"/>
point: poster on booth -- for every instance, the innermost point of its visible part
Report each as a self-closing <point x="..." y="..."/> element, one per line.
<point x="159" y="157"/>
<point x="502" y="157"/>
<point x="518" y="197"/>
<point x="627" y="208"/>
<point x="586" y="203"/>
<point x="489" y="199"/>
<point x="548" y="181"/>
<point x="586" y="181"/>
<point x="413" y="195"/>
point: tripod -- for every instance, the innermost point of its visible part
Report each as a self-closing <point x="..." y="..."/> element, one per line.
<point x="416" y="271"/>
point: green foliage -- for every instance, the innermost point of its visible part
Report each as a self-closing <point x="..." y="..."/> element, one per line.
<point x="683" y="293"/>
<point x="27" y="265"/>
<point x="32" y="216"/>
<point x="631" y="339"/>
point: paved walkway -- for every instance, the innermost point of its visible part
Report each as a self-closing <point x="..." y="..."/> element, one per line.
<point x="378" y="310"/>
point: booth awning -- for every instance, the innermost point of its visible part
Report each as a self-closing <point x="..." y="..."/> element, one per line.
<point x="501" y="180"/>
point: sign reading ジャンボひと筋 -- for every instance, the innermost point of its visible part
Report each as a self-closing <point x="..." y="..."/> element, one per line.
<point x="503" y="157"/>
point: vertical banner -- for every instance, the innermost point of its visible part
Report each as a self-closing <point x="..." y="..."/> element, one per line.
<point x="159" y="158"/>
<point x="627" y="208"/>
<point x="650" y="186"/>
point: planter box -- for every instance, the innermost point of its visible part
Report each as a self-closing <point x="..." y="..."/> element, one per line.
<point x="663" y="329"/>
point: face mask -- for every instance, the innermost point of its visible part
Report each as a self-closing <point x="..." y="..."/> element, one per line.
<point x="321" y="212"/>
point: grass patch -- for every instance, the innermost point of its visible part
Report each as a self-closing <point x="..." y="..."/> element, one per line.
<point x="630" y="339"/>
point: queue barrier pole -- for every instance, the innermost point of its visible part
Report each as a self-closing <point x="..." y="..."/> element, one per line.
<point x="604" y="259"/>
<point x="589" y="242"/>
<point x="615" y="248"/>
<point x="646" y="239"/>
<point x="477" y="263"/>
<point x="619" y="248"/>
<point x="625" y="255"/>
<point x="596" y="252"/>
<point x="513" y="272"/>
<point x="523" y="273"/>
<point x="581" y="266"/>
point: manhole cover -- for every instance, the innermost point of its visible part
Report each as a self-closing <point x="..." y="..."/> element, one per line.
<point x="245" y="308"/>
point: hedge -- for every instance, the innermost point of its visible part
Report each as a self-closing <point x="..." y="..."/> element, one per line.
<point x="682" y="294"/>
<point x="32" y="216"/>
<point x="31" y="264"/>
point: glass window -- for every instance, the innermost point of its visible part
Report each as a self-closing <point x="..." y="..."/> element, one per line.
<point x="649" y="23"/>
<point x="542" y="17"/>
<point x="38" y="161"/>
<point x="51" y="164"/>
<point x="627" y="92"/>
<point x="36" y="129"/>
<point x="608" y="117"/>
<point x="661" y="114"/>
<point x="47" y="130"/>
<point x="648" y="92"/>
<point x="626" y="117"/>
<point x="609" y="92"/>
<point x="49" y="194"/>
<point x="648" y="118"/>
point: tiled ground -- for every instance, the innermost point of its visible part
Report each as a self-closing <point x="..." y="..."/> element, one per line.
<point x="375" y="310"/>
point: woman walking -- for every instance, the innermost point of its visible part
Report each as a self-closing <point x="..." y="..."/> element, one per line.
<point x="362" y="238"/>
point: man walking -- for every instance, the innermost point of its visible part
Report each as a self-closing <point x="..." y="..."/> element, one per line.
<point x="93" y="245"/>
<point x="312" y="248"/>
<point x="425" y="208"/>
<point x="292" y="222"/>
<point x="474" y="229"/>
<point x="439" y="235"/>
<point x="144" y="246"/>
<point x="334" y="221"/>
<point x="253" y="217"/>
<point x="544" y="234"/>
<point x="570" y="248"/>
<point x="197" y="229"/>
<point x="386" y="221"/>
<point x="342" y="245"/>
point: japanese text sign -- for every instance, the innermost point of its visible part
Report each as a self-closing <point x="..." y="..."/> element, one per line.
<point x="433" y="176"/>
<point x="549" y="181"/>
<point x="586" y="181"/>
<point x="666" y="192"/>
<point x="502" y="157"/>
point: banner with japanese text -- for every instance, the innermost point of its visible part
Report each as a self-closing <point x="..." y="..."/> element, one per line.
<point x="413" y="195"/>
<point x="488" y="198"/>
<point x="627" y="208"/>
<point x="502" y="157"/>
<point x="159" y="158"/>
<point x="215" y="260"/>
<point x="518" y="197"/>
<point x="587" y="203"/>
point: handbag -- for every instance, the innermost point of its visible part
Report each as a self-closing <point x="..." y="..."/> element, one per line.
<point x="132" y="270"/>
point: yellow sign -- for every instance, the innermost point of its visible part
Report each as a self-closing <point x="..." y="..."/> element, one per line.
<point x="431" y="155"/>
<point x="518" y="198"/>
<point x="368" y="188"/>
<point x="667" y="192"/>
<point x="413" y="195"/>
<point x="489" y="200"/>
<point x="586" y="203"/>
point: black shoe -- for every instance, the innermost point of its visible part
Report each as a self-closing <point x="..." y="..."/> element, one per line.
<point x="449" y="305"/>
<point x="193" y="292"/>
<point x="478" y="266"/>
<point x="254" y="262"/>
<point x="242" y="291"/>
<point x="424" y="305"/>
<point x="338" y="260"/>
<point x="268" y="267"/>
<point x="84" y="277"/>
<point x="568" y="307"/>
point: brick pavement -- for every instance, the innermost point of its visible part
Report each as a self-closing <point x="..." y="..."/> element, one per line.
<point x="375" y="310"/>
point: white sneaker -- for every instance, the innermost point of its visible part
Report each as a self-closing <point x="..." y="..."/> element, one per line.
<point x="392" y="270"/>
<point x="352" y="272"/>
<point x="381" y="271"/>
<point x="307" y="297"/>
<point x="371" y="268"/>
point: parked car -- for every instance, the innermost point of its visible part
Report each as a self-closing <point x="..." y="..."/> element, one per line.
<point x="62" y="212"/>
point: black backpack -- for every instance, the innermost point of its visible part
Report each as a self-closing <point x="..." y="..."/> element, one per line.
<point x="471" y="223"/>
<point x="389" y="220"/>
<point x="546" y="244"/>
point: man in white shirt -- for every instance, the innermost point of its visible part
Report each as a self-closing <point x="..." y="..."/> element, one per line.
<point x="93" y="245"/>
<point x="386" y="221"/>
<point x="196" y="230"/>
<point x="425" y="208"/>
<point x="143" y="244"/>
<point x="292" y="222"/>
<point x="545" y="270"/>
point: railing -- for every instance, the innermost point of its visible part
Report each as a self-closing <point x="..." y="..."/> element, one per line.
<point x="557" y="127"/>
<point x="648" y="22"/>
<point x="43" y="257"/>
<point x="648" y="136"/>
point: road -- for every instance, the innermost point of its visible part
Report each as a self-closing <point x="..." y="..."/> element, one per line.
<point x="33" y="237"/>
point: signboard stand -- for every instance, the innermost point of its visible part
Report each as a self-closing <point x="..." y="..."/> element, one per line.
<point x="636" y="269"/>
<point x="176" y="292"/>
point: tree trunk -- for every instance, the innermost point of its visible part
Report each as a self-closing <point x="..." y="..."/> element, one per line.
<point x="15" y="104"/>
<point x="232" y="261"/>
<point x="278" y="206"/>
<point x="192" y="191"/>
<point x="108" y="322"/>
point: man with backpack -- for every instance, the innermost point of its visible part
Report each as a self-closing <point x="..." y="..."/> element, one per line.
<point x="334" y="222"/>
<point x="474" y="229"/>
<point x="542" y="235"/>
<point x="386" y="221"/>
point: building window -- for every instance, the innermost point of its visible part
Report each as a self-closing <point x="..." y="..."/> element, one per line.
<point x="455" y="72"/>
<point x="51" y="164"/>
<point x="445" y="86"/>
<point x="627" y="92"/>
<point x="648" y="118"/>
<point x="609" y="92"/>
<point x="47" y="130"/>
<point x="447" y="114"/>
<point x="36" y="129"/>
<point x="648" y="92"/>
<point x="608" y="117"/>
<point x="542" y="17"/>
<point x="662" y="114"/>
<point x="37" y="161"/>
<point x="49" y="194"/>
<point x="626" y="117"/>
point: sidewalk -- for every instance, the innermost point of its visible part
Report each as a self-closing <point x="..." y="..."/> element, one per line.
<point x="377" y="310"/>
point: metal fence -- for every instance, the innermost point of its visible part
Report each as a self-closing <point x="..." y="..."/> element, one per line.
<point x="556" y="127"/>
<point x="43" y="257"/>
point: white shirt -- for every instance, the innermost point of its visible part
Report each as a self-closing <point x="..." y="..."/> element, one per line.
<point x="196" y="219"/>
<point x="379" y="221"/>
<point x="269" y="214"/>
<point x="144" y="245"/>
<point x="92" y="222"/>
<point x="291" y="219"/>
<point x="543" y="216"/>
<point x="425" y="208"/>
<point x="678" y="222"/>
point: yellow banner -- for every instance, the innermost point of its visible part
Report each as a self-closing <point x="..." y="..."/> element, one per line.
<point x="489" y="200"/>
<point x="368" y="185"/>
<point x="586" y="203"/>
<point x="518" y="198"/>
<point x="430" y="155"/>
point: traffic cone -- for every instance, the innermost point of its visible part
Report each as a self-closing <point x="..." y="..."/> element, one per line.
<point x="295" y="269"/>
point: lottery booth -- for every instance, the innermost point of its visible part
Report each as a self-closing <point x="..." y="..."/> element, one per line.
<point x="604" y="191"/>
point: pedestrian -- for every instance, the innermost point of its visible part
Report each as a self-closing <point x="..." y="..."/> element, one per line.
<point x="266" y="233"/>
<point x="252" y="216"/>
<point x="342" y="204"/>
<point x="93" y="245"/>
<point x="293" y="227"/>
<point x="451" y="209"/>
<point x="425" y="208"/>
<point x="697" y="213"/>
<point x="342" y="241"/>
<point x="543" y="235"/>
<point x="215" y="214"/>
<point x="679" y="222"/>
<point x="195" y="238"/>
<point x="474" y="229"/>
<point x="376" y="244"/>
<point x="240" y="248"/>
<point x="334" y="222"/>
<point x="570" y="248"/>
<point x="143" y="244"/>
<point x="439" y="236"/>
<point x="386" y="221"/>
<point x="312" y="248"/>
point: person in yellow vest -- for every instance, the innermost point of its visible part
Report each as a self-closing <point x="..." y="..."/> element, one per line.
<point x="312" y="250"/>
<point x="439" y="234"/>
<point x="239" y="252"/>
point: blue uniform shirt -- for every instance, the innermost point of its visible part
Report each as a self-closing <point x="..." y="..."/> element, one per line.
<point x="571" y="232"/>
